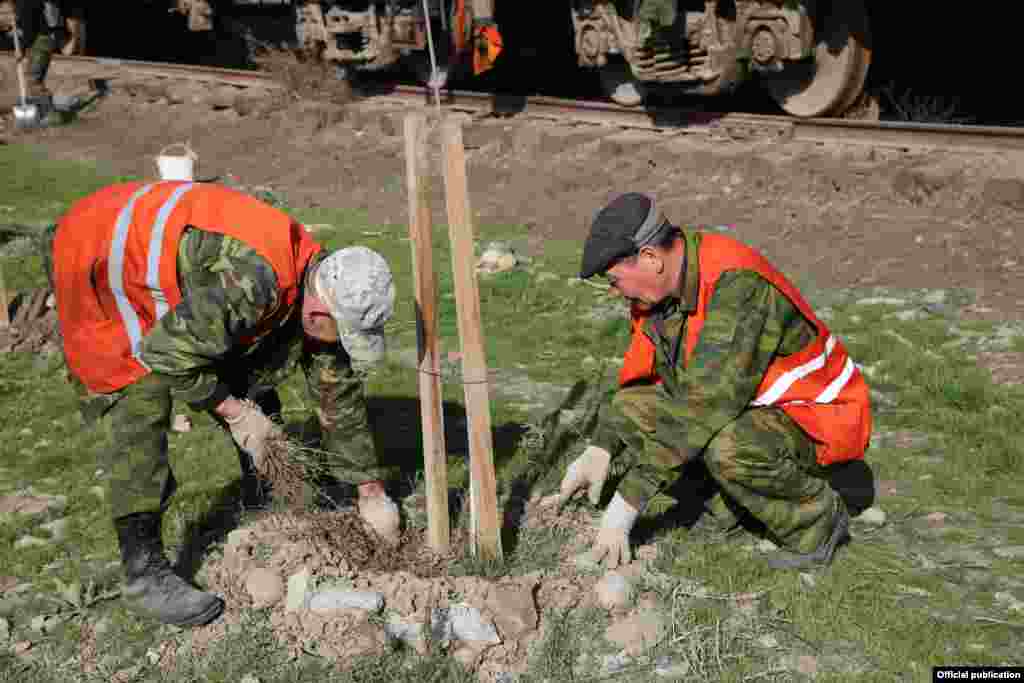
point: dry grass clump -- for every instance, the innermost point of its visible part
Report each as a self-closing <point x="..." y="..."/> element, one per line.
<point x="286" y="467"/>
<point x="303" y="75"/>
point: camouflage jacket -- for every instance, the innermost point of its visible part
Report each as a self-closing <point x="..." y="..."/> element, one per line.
<point x="226" y="287"/>
<point x="748" y="322"/>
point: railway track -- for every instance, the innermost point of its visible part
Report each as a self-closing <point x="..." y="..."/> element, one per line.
<point x="667" y="120"/>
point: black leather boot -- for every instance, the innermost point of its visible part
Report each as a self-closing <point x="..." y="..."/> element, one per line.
<point x="151" y="588"/>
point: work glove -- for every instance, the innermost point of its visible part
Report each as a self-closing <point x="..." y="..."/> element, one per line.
<point x="381" y="513"/>
<point x="611" y="547"/>
<point x="590" y="470"/>
<point x="250" y="430"/>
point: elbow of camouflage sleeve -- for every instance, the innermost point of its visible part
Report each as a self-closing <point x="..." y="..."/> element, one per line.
<point x="201" y="392"/>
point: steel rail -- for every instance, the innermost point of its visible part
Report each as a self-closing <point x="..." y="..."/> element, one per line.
<point x="670" y="120"/>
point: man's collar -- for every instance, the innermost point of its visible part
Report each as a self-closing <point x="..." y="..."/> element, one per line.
<point x="689" y="283"/>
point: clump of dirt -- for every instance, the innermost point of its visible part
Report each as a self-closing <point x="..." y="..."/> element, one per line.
<point x="303" y="77"/>
<point x="418" y="598"/>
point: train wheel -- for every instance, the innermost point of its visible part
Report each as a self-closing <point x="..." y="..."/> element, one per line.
<point x="620" y="85"/>
<point x="842" y="57"/>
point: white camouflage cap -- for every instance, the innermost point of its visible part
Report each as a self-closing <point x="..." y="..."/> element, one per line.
<point x="355" y="283"/>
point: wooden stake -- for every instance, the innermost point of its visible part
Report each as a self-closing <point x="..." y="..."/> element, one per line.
<point x="431" y="413"/>
<point x="485" y="526"/>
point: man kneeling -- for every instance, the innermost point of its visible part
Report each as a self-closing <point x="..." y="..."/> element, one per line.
<point x="728" y="363"/>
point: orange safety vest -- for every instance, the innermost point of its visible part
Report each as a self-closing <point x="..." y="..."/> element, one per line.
<point x="115" y="267"/>
<point x="818" y="386"/>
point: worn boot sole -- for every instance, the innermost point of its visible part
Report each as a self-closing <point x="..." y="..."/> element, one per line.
<point x="204" y="618"/>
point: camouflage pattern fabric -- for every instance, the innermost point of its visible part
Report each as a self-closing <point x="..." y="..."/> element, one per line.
<point x="759" y="457"/>
<point x="39" y="57"/>
<point x="225" y="288"/>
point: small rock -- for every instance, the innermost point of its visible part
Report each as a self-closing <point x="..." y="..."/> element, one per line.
<point x="665" y="667"/>
<point x="181" y="424"/>
<point x="29" y="542"/>
<point x="808" y="580"/>
<point x="298" y="585"/>
<point x="873" y="515"/>
<point x="5" y="630"/>
<point x="637" y="632"/>
<point x="1013" y="552"/>
<point x="329" y="600"/>
<point x="462" y="622"/>
<point x="936" y="519"/>
<point x="613" y="664"/>
<point x="768" y="641"/>
<point x="249" y="678"/>
<point x="766" y="546"/>
<point x="613" y="591"/>
<point x="1009" y="601"/>
<point x="58" y="528"/>
<point x="265" y="587"/>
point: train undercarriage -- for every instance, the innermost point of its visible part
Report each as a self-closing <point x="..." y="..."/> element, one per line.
<point x="811" y="56"/>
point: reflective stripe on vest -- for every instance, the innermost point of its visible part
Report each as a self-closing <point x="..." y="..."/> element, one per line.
<point x="818" y="386"/>
<point x="774" y="392"/>
<point x="115" y="266"/>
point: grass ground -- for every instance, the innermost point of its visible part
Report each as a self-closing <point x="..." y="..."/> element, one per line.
<point x="915" y="592"/>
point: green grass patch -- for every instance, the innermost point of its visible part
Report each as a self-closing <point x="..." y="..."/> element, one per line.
<point x="904" y="597"/>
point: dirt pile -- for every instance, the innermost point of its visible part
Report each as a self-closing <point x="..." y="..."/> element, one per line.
<point x="334" y="589"/>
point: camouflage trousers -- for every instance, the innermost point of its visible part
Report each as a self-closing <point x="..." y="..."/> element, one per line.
<point x="762" y="462"/>
<point x="39" y="56"/>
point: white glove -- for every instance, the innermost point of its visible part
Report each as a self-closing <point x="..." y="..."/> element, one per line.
<point x="250" y="429"/>
<point x="381" y="513"/>
<point x="611" y="548"/>
<point x="590" y="470"/>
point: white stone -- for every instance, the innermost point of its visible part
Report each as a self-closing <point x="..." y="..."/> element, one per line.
<point x="873" y="515"/>
<point x="58" y="528"/>
<point x="181" y="424"/>
<point x="265" y="586"/>
<point x="298" y="586"/>
<point x="666" y="668"/>
<point x="328" y="600"/>
<point x="613" y="590"/>
<point x="462" y="622"/>
<point x="28" y="542"/>
<point x="768" y="641"/>
<point x="766" y="546"/>
<point x="249" y="678"/>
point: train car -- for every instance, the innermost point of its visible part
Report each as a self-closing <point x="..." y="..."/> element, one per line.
<point x="811" y="56"/>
